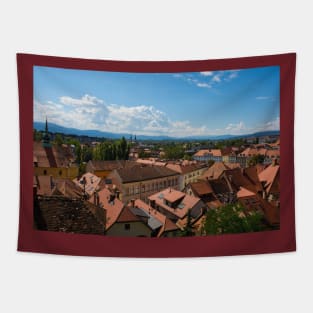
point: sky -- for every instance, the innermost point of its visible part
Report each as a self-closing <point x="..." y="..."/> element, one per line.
<point x="206" y="103"/>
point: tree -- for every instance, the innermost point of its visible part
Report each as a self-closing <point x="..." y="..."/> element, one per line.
<point x="188" y="230"/>
<point x="37" y="135"/>
<point x="256" y="159"/>
<point x="58" y="139"/>
<point x="232" y="219"/>
<point x="174" y="152"/>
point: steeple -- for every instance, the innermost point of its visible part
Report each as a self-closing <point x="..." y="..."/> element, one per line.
<point x="46" y="130"/>
<point x="46" y="136"/>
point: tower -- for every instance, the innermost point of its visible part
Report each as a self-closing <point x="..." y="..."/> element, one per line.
<point x="46" y="137"/>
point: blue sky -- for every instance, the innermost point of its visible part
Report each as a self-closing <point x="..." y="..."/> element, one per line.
<point x="174" y="104"/>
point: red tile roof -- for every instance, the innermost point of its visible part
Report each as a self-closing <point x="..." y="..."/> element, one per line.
<point x="98" y="165"/>
<point x="214" y="171"/>
<point x="142" y="173"/>
<point x="167" y="224"/>
<point x="205" y="152"/>
<point x="201" y="188"/>
<point x="187" y="168"/>
<point x="92" y="182"/>
<point x="127" y="216"/>
<point x="54" y="156"/>
<point x="270" y="178"/>
<point x="113" y="208"/>
<point x="173" y="195"/>
<point x="186" y="203"/>
<point x="243" y="192"/>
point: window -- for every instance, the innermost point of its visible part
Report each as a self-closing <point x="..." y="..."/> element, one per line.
<point x="45" y="172"/>
<point x="126" y="226"/>
<point x="60" y="172"/>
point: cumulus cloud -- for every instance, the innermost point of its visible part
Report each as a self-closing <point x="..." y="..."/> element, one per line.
<point x="236" y="128"/>
<point x="204" y="85"/>
<point x="84" y="100"/>
<point x="139" y="119"/>
<point x="206" y="73"/>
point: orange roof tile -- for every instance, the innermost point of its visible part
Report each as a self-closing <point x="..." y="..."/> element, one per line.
<point x="205" y="152"/>
<point x="173" y="195"/>
<point x="215" y="171"/>
<point x="269" y="175"/>
<point x="92" y="182"/>
<point x="112" y="208"/>
<point x="187" y="202"/>
<point x="243" y="192"/>
<point x="201" y="188"/>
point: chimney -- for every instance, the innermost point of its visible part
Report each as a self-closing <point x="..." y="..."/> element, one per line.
<point x="51" y="182"/>
<point x="96" y="198"/>
<point x="112" y="197"/>
<point x="274" y="162"/>
<point x="132" y="201"/>
<point x="152" y="203"/>
<point x="117" y="193"/>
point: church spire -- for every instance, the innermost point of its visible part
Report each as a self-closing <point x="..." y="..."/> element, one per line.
<point x="46" y="136"/>
<point x="46" y="129"/>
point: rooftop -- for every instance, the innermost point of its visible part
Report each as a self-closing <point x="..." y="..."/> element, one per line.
<point x="61" y="214"/>
<point x="54" y="156"/>
<point x="141" y="173"/>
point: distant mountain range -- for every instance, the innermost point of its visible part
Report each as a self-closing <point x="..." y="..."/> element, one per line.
<point x="54" y="128"/>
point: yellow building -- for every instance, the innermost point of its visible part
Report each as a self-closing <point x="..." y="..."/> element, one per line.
<point x="54" y="160"/>
<point x="141" y="181"/>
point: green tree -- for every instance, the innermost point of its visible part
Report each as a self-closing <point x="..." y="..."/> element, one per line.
<point x="58" y="139"/>
<point x="188" y="230"/>
<point x="174" y="152"/>
<point x="37" y="135"/>
<point x="232" y="219"/>
<point x="256" y="159"/>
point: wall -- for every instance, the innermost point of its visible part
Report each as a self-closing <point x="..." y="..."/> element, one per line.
<point x="66" y="172"/>
<point x="137" y="229"/>
<point x="155" y="30"/>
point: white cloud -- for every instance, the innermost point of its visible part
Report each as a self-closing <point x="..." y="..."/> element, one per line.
<point x="139" y="119"/>
<point x="217" y="78"/>
<point x="234" y="128"/>
<point x="84" y="100"/>
<point x="273" y="125"/>
<point x="262" y="98"/>
<point x="204" y="85"/>
<point x="206" y="73"/>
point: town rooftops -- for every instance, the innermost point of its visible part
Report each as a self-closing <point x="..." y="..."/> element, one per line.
<point x="185" y="168"/>
<point x="269" y="176"/>
<point x="91" y="182"/>
<point x="185" y="201"/>
<point x="61" y="214"/>
<point x="54" y="156"/>
<point x="155" y="218"/>
<point x="243" y="192"/>
<point x="201" y="188"/>
<point x="206" y="152"/>
<point x="47" y="185"/>
<point x="141" y="173"/>
<point x="173" y="195"/>
<point x="110" y="204"/>
<point x="217" y="169"/>
<point x="109" y="165"/>
<point x="151" y="161"/>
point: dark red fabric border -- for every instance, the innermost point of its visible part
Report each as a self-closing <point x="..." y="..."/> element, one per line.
<point x="282" y="240"/>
